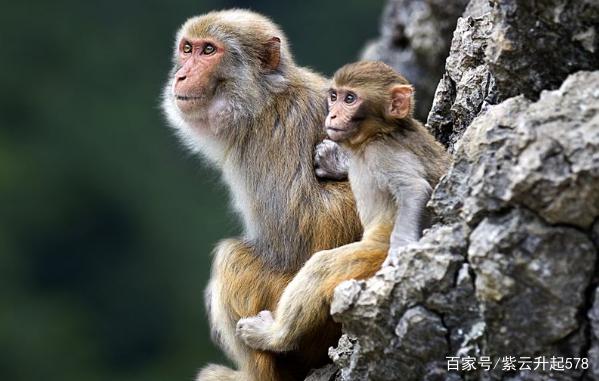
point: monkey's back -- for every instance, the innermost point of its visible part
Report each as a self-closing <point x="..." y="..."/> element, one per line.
<point x="293" y="214"/>
<point x="300" y="214"/>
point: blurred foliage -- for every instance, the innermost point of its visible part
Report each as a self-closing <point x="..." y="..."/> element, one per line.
<point x="106" y="223"/>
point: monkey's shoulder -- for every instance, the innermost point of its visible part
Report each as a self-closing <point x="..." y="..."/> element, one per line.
<point x="387" y="164"/>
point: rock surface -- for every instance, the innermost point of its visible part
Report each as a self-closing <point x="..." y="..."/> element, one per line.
<point x="502" y="49"/>
<point x="504" y="272"/>
<point x="415" y="40"/>
<point x="593" y="316"/>
<point x="510" y="267"/>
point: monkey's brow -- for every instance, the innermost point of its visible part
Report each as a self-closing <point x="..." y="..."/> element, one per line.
<point x="332" y="89"/>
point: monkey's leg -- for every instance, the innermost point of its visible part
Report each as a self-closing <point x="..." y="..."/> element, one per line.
<point x="305" y="303"/>
<point x="240" y="286"/>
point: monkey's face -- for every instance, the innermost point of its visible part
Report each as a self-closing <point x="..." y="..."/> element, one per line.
<point x="194" y="80"/>
<point x="344" y="117"/>
<point x="226" y="66"/>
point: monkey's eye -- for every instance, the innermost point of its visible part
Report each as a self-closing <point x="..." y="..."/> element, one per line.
<point x="208" y="49"/>
<point x="187" y="47"/>
<point x="333" y="96"/>
<point x="350" y="98"/>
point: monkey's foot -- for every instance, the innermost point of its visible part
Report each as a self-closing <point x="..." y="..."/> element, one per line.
<point x="330" y="161"/>
<point x="256" y="331"/>
<point x="218" y="373"/>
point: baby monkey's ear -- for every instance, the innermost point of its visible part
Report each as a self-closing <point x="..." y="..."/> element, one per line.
<point x="401" y="101"/>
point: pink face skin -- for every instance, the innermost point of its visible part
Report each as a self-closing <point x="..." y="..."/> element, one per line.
<point x="199" y="59"/>
<point x="341" y="122"/>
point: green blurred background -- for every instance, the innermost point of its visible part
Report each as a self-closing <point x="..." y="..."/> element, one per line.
<point x="106" y="223"/>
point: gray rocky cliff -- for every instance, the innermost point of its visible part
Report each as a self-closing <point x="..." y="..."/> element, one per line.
<point x="510" y="266"/>
<point x="415" y="39"/>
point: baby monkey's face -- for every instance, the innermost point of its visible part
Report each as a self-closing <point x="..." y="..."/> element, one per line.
<point x="344" y="115"/>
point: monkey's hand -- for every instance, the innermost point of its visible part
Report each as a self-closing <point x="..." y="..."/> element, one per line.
<point x="330" y="161"/>
<point x="258" y="332"/>
<point x="396" y="250"/>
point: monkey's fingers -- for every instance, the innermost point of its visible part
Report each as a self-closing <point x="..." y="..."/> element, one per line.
<point x="329" y="161"/>
<point x="255" y="331"/>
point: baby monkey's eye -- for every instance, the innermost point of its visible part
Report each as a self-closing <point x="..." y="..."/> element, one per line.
<point x="350" y="98"/>
<point x="187" y="47"/>
<point x="209" y="49"/>
<point x="333" y="96"/>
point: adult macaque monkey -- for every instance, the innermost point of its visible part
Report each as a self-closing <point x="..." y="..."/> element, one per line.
<point x="236" y="96"/>
<point x="394" y="163"/>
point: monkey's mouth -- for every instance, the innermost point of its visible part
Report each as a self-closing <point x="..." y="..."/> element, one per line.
<point x="187" y="98"/>
<point x="337" y="134"/>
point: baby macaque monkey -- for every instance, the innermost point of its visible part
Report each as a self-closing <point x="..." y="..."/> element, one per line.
<point x="394" y="164"/>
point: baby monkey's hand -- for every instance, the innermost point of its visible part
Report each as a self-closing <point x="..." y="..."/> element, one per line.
<point x="330" y="161"/>
<point x="255" y="331"/>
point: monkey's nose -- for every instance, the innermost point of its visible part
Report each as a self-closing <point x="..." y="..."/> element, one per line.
<point x="333" y="116"/>
<point x="181" y="78"/>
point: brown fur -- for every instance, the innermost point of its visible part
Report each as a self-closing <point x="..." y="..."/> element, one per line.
<point x="394" y="164"/>
<point x="262" y="138"/>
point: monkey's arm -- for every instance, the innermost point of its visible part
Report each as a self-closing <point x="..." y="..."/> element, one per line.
<point x="306" y="301"/>
<point x="330" y="161"/>
<point x="300" y="306"/>
<point x="411" y="197"/>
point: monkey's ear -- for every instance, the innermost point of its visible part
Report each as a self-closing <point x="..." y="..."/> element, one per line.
<point x="271" y="56"/>
<point x="401" y="101"/>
